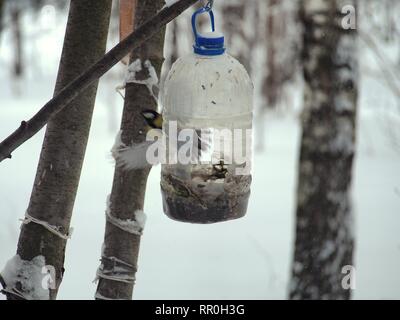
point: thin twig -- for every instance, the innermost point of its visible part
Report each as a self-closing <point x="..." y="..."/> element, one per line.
<point x="29" y="128"/>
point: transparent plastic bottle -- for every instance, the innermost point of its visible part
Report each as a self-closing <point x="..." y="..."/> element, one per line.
<point x="209" y="92"/>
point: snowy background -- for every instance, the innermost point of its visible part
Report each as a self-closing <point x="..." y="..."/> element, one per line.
<point x="244" y="259"/>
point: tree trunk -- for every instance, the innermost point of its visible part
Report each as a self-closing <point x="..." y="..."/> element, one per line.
<point x="64" y="145"/>
<point x="17" y="39"/>
<point x="281" y="50"/>
<point x="121" y="248"/>
<point x="271" y="86"/>
<point x="234" y="26"/>
<point x="324" y="239"/>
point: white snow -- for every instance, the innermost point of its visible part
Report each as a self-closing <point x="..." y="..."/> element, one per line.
<point x="297" y="266"/>
<point x="343" y="141"/>
<point x="117" y="146"/>
<point x="346" y="48"/>
<point x="343" y="103"/>
<point x="135" y="226"/>
<point x="27" y="276"/>
<point x="140" y="218"/>
<point x="135" y="67"/>
<point x="328" y="248"/>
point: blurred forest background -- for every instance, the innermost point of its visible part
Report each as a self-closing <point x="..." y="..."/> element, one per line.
<point x="250" y="258"/>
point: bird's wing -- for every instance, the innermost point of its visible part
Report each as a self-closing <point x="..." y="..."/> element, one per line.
<point x="135" y="156"/>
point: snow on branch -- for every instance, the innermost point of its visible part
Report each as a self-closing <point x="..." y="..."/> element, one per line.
<point x="135" y="74"/>
<point x="147" y="76"/>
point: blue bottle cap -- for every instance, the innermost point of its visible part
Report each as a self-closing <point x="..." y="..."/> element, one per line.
<point x="210" y="43"/>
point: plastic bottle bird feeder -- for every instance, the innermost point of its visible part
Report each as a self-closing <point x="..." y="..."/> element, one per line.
<point x="210" y="94"/>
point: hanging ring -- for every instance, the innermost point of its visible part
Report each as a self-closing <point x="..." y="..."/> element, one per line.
<point x="207" y="8"/>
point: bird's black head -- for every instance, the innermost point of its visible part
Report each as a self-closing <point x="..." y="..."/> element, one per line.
<point x="149" y="115"/>
<point x="152" y="118"/>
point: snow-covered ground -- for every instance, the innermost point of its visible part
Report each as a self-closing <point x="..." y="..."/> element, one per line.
<point x="244" y="259"/>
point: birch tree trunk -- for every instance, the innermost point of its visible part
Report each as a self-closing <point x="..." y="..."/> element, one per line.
<point x="64" y="145"/>
<point x="324" y="240"/>
<point x="117" y="271"/>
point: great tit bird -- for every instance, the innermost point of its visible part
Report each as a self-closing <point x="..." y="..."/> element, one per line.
<point x="154" y="120"/>
<point x="133" y="157"/>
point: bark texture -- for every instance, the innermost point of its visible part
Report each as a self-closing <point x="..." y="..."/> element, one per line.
<point x="121" y="248"/>
<point x="324" y="239"/>
<point x="64" y="145"/>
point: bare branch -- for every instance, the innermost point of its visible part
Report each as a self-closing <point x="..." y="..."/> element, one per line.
<point x="29" y="128"/>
